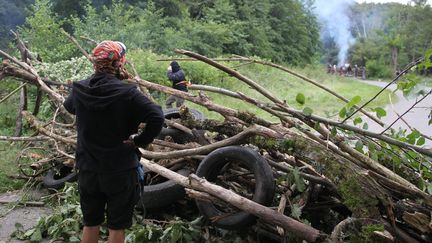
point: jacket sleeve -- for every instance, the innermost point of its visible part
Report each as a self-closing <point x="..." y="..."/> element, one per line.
<point x="68" y="103"/>
<point x="177" y="76"/>
<point x="149" y="113"/>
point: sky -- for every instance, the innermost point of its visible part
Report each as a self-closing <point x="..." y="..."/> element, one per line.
<point x="387" y="1"/>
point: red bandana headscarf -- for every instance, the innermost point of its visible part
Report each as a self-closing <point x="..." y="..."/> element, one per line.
<point x="109" y="57"/>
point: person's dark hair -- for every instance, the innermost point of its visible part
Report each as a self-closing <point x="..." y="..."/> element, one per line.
<point x="175" y="67"/>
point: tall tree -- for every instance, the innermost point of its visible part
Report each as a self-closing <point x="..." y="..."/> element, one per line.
<point x="42" y="31"/>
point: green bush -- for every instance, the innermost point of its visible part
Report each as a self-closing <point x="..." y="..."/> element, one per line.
<point x="74" y="69"/>
<point x="377" y="69"/>
<point x="42" y="31"/>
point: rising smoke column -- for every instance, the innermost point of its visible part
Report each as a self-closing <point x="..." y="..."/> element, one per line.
<point x="333" y="17"/>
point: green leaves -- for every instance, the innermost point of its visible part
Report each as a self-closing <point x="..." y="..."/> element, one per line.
<point x="179" y="231"/>
<point x="429" y="188"/>
<point x="408" y="86"/>
<point x="354" y="101"/>
<point x="421" y="141"/>
<point x="333" y="131"/>
<point x="300" y="98"/>
<point x="415" y="138"/>
<point x="36" y="236"/>
<point x="343" y="112"/>
<point x="357" y="120"/>
<point x="64" y="223"/>
<point x="298" y="180"/>
<point x="380" y="112"/>
<point x="307" y="111"/>
<point x="349" y="108"/>
<point x="296" y="211"/>
<point x="359" y="146"/>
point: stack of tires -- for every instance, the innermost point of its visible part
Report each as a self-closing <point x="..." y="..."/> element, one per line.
<point x="163" y="193"/>
<point x="211" y="167"/>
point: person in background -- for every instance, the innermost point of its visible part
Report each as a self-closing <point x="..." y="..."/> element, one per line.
<point x="341" y="70"/>
<point x="348" y="70"/>
<point x="356" y="70"/>
<point x="363" y="72"/>
<point x="329" y="68"/>
<point x="108" y="113"/>
<point x="177" y="77"/>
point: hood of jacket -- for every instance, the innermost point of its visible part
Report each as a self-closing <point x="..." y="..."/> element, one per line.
<point x="100" y="90"/>
<point x="175" y="67"/>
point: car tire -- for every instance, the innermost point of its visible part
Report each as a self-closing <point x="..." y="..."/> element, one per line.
<point x="177" y="136"/>
<point x="162" y="194"/>
<point x="263" y="194"/>
<point x="54" y="180"/>
<point x="174" y="113"/>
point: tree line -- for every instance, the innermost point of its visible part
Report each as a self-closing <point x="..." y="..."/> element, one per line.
<point x="387" y="36"/>
<point x="281" y="30"/>
<point x="390" y="36"/>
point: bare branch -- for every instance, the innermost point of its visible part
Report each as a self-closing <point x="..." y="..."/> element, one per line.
<point x="399" y="117"/>
<point x="57" y="97"/>
<point x="253" y="130"/>
<point x="33" y="121"/>
<point x="407" y="68"/>
<point x="71" y="38"/>
<point x="13" y="92"/>
<point x="234" y="73"/>
<point x="24" y="139"/>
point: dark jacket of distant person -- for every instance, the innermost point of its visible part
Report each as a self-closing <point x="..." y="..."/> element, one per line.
<point x="177" y="77"/>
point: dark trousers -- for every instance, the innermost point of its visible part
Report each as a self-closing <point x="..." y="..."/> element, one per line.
<point x="171" y="99"/>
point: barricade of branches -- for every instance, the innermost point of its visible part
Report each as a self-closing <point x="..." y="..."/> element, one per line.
<point x="324" y="185"/>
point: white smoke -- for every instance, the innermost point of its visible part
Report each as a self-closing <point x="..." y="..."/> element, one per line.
<point x="333" y="17"/>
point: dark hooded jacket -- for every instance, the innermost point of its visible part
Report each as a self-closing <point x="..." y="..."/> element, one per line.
<point x="108" y="111"/>
<point x="177" y="76"/>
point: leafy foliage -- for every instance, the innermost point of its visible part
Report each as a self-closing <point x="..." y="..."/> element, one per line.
<point x="42" y="30"/>
<point x="389" y="36"/>
<point x="175" y="230"/>
<point x="63" y="224"/>
<point x="285" y="31"/>
<point x="74" y="69"/>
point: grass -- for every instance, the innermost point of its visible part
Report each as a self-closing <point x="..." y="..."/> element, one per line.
<point x="8" y="151"/>
<point x="286" y="87"/>
<point x="8" y="168"/>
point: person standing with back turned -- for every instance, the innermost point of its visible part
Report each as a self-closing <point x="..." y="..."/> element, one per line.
<point x="108" y="112"/>
<point x="177" y="77"/>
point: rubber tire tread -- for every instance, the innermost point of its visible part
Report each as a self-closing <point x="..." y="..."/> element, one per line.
<point x="50" y="182"/>
<point x="178" y="136"/>
<point x="174" y="113"/>
<point x="264" y="183"/>
<point x="162" y="194"/>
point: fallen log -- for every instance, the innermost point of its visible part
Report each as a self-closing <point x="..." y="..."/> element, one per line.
<point x="293" y="226"/>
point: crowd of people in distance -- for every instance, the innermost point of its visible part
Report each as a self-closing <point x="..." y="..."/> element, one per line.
<point x="347" y="70"/>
